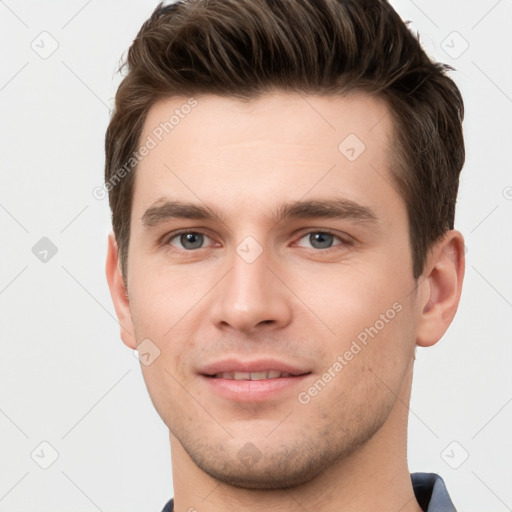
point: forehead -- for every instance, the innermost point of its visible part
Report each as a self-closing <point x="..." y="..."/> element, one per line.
<point x="328" y="117"/>
<point x="227" y="151"/>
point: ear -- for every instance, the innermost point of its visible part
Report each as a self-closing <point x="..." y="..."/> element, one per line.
<point x="119" y="293"/>
<point x="441" y="286"/>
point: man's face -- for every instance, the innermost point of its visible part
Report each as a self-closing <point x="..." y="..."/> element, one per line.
<point x="271" y="267"/>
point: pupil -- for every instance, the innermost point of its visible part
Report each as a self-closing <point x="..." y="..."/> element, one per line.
<point x="321" y="240"/>
<point x="191" y="240"/>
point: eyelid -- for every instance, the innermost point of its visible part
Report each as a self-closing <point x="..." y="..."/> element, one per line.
<point x="166" y="239"/>
<point x="343" y="237"/>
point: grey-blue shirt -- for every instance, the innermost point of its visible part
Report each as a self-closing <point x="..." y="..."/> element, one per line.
<point x="429" y="489"/>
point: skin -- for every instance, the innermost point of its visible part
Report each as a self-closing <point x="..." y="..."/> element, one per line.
<point x="296" y="302"/>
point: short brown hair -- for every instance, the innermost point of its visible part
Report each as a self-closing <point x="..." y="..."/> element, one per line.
<point x="243" y="48"/>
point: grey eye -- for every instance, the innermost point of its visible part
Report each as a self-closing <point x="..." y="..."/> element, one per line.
<point x="189" y="241"/>
<point x="321" y="240"/>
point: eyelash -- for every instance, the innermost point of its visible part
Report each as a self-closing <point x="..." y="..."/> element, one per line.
<point x="167" y="240"/>
<point x="342" y="241"/>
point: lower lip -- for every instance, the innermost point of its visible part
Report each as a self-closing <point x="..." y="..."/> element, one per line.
<point x="252" y="390"/>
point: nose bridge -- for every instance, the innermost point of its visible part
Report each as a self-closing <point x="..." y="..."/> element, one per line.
<point x="251" y="296"/>
<point x="249" y="275"/>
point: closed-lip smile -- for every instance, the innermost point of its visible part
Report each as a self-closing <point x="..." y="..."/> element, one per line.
<point x="265" y="374"/>
<point x="251" y="380"/>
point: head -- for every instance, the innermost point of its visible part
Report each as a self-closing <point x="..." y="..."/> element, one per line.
<point x="283" y="179"/>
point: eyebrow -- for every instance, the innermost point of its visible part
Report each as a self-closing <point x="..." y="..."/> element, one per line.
<point x="164" y="210"/>
<point x="326" y="208"/>
<point x="167" y="210"/>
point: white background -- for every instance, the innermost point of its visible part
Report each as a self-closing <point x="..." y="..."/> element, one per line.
<point x="65" y="376"/>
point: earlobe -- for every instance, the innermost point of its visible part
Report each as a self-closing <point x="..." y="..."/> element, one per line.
<point x="119" y="294"/>
<point x="442" y="286"/>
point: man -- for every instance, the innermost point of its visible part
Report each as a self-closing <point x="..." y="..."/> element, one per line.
<point x="283" y="179"/>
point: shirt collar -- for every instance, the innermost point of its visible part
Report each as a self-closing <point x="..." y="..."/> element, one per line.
<point x="429" y="489"/>
<point x="431" y="494"/>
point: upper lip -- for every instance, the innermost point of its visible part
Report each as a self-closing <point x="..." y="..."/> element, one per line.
<point x="256" y="365"/>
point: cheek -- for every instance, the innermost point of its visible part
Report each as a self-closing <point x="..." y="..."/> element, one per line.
<point x="371" y="320"/>
<point x="389" y="344"/>
<point x="160" y="298"/>
<point x="351" y="298"/>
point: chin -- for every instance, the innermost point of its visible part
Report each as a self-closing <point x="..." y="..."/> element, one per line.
<point x="279" y="466"/>
<point x="273" y="474"/>
<point x="289" y="456"/>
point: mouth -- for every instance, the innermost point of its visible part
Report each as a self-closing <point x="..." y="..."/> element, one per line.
<point x="252" y="381"/>
<point x="268" y="374"/>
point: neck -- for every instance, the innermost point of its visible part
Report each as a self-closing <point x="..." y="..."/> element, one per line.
<point x="374" y="477"/>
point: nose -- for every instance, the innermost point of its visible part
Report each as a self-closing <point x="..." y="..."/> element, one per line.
<point x="251" y="297"/>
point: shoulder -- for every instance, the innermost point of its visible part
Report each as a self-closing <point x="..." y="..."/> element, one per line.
<point x="169" y="506"/>
<point x="431" y="493"/>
